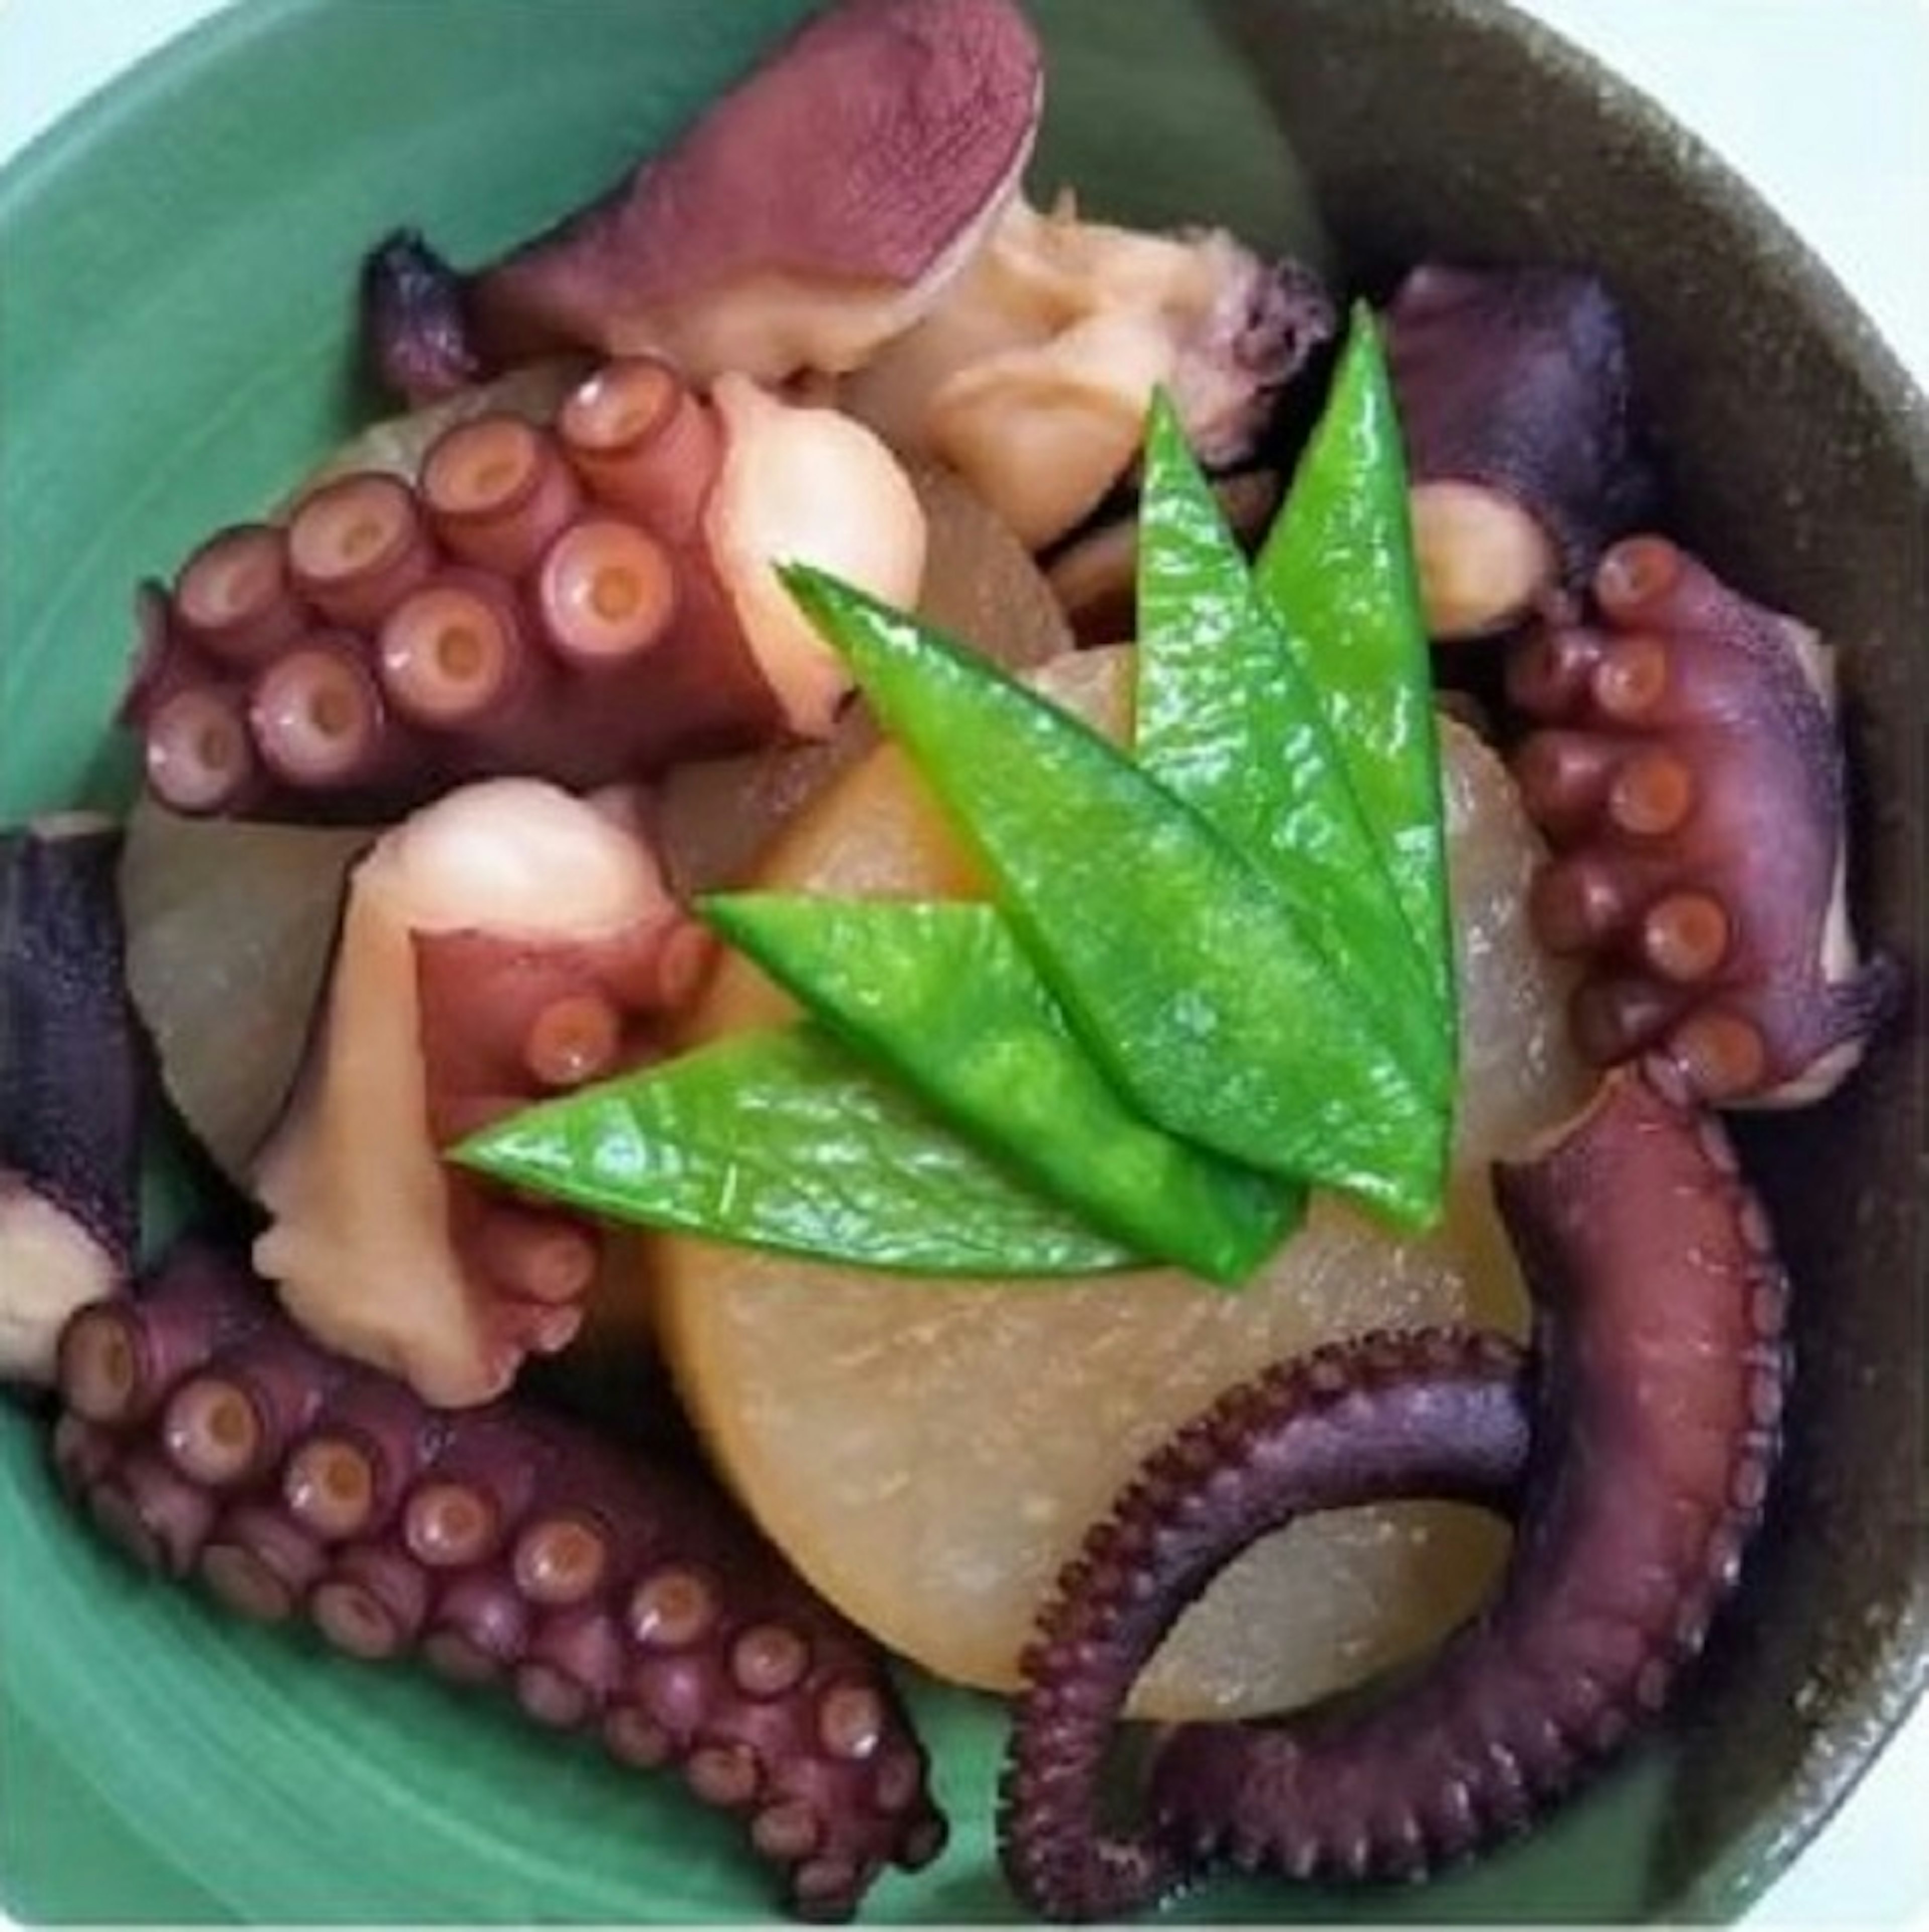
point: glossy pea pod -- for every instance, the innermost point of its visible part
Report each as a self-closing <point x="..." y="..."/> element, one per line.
<point x="1301" y="726"/>
<point x="1232" y="718"/>
<point x="1339" y="572"/>
<point x="1167" y="945"/>
<point x="943" y="994"/>
<point x="784" y="1139"/>
<point x="209" y="1437"/>
<point x="1213" y="968"/>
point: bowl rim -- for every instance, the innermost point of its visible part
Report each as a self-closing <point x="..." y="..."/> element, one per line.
<point x="1774" y="245"/>
<point x="1895" y="1684"/>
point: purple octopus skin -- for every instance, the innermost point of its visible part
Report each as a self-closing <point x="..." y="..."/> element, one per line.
<point x="1514" y="397"/>
<point x="1689" y="775"/>
<point x="1440" y="1413"/>
<point x="413" y="320"/>
<point x="541" y="600"/>
<point x="1658" y="1375"/>
<point x="209" y="1437"/>
<point x="812" y="211"/>
<point x="71" y="1068"/>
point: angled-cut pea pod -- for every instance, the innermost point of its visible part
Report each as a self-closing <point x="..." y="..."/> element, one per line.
<point x="1338" y="569"/>
<point x="781" y="1139"/>
<point x="1184" y="975"/>
<point x="941" y="995"/>
<point x="1229" y="718"/>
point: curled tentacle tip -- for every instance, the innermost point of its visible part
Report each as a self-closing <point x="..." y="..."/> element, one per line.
<point x="1426" y="1414"/>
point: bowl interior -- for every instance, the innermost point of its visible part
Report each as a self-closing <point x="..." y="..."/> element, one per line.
<point x="177" y="348"/>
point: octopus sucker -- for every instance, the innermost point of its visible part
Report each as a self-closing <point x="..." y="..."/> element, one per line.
<point x="590" y="600"/>
<point x="729" y="1686"/>
<point x="1652" y="1401"/>
<point x="1516" y="399"/>
<point x="1440" y="1413"/>
<point x="348" y="1479"/>
<point x="505" y="944"/>
<point x="371" y="1601"/>
<point x="1688" y="767"/>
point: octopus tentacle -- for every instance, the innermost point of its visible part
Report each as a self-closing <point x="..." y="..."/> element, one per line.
<point x="505" y="944"/>
<point x="497" y="492"/>
<point x="371" y="1601"/>
<point x="146" y="1506"/>
<point x="625" y="1598"/>
<point x="588" y="601"/>
<point x="642" y="441"/>
<point x="1657" y="1395"/>
<point x="1688" y="770"/>
<point x="357" y="545"/>
<point x="882" y="135"/>
<point x="466" y="1504"/>
<point x="258" y="1561"/>
<point x="1437" y="1413"/>
<point x="234" y="599"/>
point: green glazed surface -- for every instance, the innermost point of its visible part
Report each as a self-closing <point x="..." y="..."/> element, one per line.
<point x="176" y="347"/>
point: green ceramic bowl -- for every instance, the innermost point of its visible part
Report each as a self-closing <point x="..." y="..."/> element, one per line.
<point x="180" y="257"/>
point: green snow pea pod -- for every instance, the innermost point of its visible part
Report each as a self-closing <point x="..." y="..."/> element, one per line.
<point x="1337" y="568"/>
<point x="942" y="995"/>
<point x="780" y="1139"/>
<point x="1228" y="719"/>
<point x="1183" y="973"/>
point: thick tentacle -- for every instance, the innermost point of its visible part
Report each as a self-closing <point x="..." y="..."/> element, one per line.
<point x="1690" y="774"/>
<point x="882" y="136"/>
<point x="589" y="602"/>
<point x="1656" y="1398"/>
<point x="1438" y="1413"/>
<point x="1659" y="1388"/>
<point x="607" y="1594"/>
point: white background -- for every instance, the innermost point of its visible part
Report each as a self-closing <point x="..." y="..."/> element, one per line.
<point x="1824" y="104"/>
